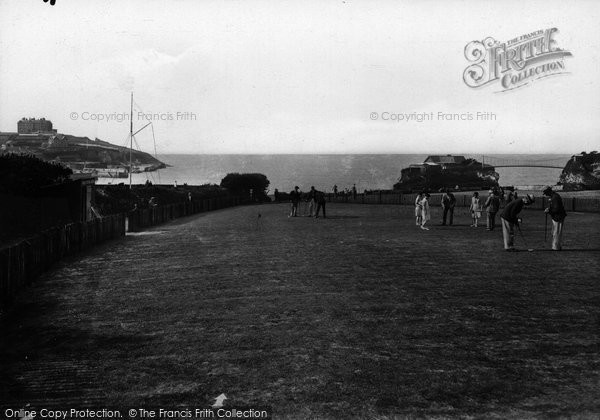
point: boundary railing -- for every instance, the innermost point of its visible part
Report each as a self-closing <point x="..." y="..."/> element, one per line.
<point x="22" y="262"/>
<point x="581" y="204"/>
<point x="142" y="218"/>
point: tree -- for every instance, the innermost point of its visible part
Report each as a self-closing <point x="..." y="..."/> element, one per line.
<point x="256" y="184"/>
<point x="24" y="174"/>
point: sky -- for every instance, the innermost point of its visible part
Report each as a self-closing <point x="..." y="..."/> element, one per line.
<point x="297" y="76"/>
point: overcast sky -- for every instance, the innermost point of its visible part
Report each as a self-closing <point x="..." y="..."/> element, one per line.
<point x="296" y="77"/>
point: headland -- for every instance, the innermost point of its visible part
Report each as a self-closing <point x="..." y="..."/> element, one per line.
<point x="96" y="157"/>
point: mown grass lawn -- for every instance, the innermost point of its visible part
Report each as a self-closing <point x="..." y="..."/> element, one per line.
<point x="361" y="315"/>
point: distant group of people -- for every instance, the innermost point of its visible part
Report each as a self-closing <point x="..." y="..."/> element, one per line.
<point x="346" y="192"/>
<point x="491" y="206"/>
<point x="314" y="198"/>
<point x="423" y="212"/>
<point x="509" y="216"/>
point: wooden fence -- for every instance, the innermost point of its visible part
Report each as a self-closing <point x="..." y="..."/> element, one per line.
<point x="24" y="261"/>
<point x="142" y="218"/>
<point x="21" y="263"/>
<point x="570" y="203"/>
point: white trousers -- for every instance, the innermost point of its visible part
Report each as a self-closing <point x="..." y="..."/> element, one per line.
<point x="508" y="232"/>
<point x="557" y="228"/>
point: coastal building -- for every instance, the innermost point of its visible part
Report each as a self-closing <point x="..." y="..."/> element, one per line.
<point x="34" y="125"/>
<point x="422" y="168"/>
<point x="434" y="163"/>
<point x="579" y="157"/>
<point x="31" y="133"/>
<point x="37" y="137"/>
<point x="447" y="171"/>
<point x="444" y="160"/>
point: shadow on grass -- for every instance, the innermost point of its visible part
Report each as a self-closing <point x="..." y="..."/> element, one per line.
<point x="455" y="225"/>
<point x="24" y="348"/>
<point x="564" y="250"/>
<point x="71" y="348"/>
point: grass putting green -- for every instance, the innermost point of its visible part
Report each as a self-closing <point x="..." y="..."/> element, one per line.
<point x="361" y="315"/>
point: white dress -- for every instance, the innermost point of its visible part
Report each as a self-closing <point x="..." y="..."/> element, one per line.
<point x="425" y="209"/>
<point x="475" y="207"/>
<point x="418" y="207"/>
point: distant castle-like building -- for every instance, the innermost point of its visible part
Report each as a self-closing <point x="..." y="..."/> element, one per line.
<point x="447" y="171"/>
<point x="31" y="132"/>
<point x="34" y="125"/>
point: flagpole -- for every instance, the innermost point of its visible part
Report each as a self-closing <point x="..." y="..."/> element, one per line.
<point x="130" y="139"/>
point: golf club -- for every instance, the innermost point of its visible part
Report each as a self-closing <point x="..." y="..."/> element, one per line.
<point x="523" y="237"/>
<point x="546" y="222"/>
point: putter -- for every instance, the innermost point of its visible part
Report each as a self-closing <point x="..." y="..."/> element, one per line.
<point x="523" y="237"/>
<point x="545" y="227"/>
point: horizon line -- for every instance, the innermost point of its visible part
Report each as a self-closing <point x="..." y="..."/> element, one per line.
<point x="359" y="153"/>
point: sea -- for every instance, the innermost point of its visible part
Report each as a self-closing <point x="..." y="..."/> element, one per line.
<point x="371" y="172"/>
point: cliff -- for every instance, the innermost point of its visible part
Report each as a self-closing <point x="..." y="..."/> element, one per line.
<point x="582" y="172"/>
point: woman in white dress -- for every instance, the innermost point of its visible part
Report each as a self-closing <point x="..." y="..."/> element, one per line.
<point x="418" y="209"/>
<point x="475" y="209"/>
<point x="425" y="212"/>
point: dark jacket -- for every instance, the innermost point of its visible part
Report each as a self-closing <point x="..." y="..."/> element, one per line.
<point x="511" y="210"/>
<point x="448" y="200"/>
<point x="452" y="200"/>
<point x="295" y="196"/>
<point x="492" y="204"/>
<point x="556" y="208"/>
<point x="320" y="197"/>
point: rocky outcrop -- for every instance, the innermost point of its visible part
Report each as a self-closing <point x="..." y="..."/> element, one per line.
<point x="75" y="151"/>
<point x="582" y="172"/>
<point x="467" y="174"/>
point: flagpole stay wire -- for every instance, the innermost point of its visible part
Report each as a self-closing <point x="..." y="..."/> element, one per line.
<point x="125" y="141"/>
<point x="139" y="149"/>
<point x="151" y="124"/>
<point x="130" y="141"/>
<point x="155" y="154"/>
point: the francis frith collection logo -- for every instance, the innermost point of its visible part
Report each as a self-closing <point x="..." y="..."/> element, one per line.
<point x="514" y="63"/>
